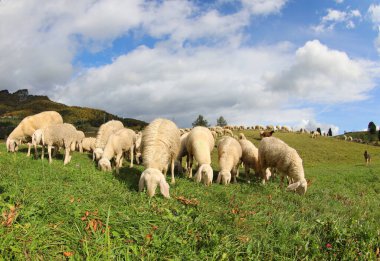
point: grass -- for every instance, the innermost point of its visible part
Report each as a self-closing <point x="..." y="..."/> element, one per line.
<point x="77" y="212"/>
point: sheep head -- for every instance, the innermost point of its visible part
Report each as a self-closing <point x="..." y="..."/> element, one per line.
<point x="300" y="187"/>
<point x="97" y="154"/>
<point x="205" y="174"/>
<point x="104" y="164"/>
<point x="152" y="178"/>
<point x="12" y="145"/>
<point x="224" y="177"/>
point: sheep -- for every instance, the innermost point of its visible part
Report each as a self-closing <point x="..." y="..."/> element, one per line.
<point x="242" y="136"/>
<point x="36" y="140"/>
<point x="228" y="132"/>
<point x="102" y="136"/>
<point x="160" y="146"/>
<point x="266" y="133"/>
<point x="314" y="134"/>
<point x="138" y="147"/>
<point x="28" y="125"/>
<point x="119" y="142"/>
<point x="88" y="144"/>
<point x="229" y="155"/>
<point x="200" y="144"/>
<point x="63" y="134"/>
<point x="274" y="153"/>
<point x="80" y="137"/>
<point x="250" y="157"/>
<point x="182" y="152"/>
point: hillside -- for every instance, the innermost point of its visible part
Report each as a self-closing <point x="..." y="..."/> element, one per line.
<point x="56" y="212"/>
<point x="15" y="106"/>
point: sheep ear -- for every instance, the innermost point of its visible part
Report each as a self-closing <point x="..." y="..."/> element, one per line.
<point x="142" y="182"/>
<point x="198" y="175"/>
<point x="294" y="186"/>
<point x="164" y="187"/>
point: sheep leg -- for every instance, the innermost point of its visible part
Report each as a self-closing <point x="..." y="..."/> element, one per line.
<point x="172" y="166"/>
<point x="67" y="155"/>
<point x="247" y="170"/>
<point x="190" y="166"/>
<point x="49" y="153"/>
<point x="131" y="156"/>
<point x="29" y="148"/>
<point x="35" y="151"/>
<point x="43" y="152"/>
<point x="234" y="174"/>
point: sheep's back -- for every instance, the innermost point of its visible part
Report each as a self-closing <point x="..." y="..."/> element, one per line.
<point x="105" y="131"/>
<point x="229" y="153"/>
<point x="160" y="143"/>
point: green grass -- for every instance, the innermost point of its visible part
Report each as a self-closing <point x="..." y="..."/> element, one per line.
<point x="338" y="218"/>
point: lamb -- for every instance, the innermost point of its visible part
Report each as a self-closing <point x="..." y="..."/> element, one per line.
<point x="102" y="136"/>
<point x="28" y="125"/>
<point x="274" y="153"/>
<point x="36" y="140"/>
<point x="228" y="132"/>
<point x="160" y="146"/>
<point x="229" y="155"/>
<point x="200" y="144"/>
<point x="119" y="142"/>
<point x="88" y="144"/>
<point x="250" y="157"/>
<point x="61" y="135"/>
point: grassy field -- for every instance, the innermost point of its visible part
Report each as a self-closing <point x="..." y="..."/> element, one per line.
<point x="56" y="212"/>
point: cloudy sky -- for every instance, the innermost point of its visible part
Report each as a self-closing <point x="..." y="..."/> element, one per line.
<point x="312" y="63"/>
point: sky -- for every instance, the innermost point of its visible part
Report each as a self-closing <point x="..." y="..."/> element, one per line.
<point x="299" y="63"/>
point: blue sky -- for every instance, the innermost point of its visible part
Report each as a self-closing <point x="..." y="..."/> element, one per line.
<point x="300" y="63"/>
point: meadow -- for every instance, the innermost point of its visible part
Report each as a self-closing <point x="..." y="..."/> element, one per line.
<point x="56" y="212"/>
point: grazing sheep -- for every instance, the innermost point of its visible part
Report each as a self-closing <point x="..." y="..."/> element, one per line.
<point x="182" y="152"/>
<point x="36" y="140"/>
<point x="266" y="133"/>
<point x="228" y="132"/>
<point x="102" y="136"/>
<point x="274" y="153"/>
<point x="229" y="155"/>
<point x="242" y="136"/>
<point x="250" y="157"/>
<point x="61" y="135"/>
<point x="80" y="137"/>
<point x="138" y="147"/>
<point x="315" y="134"/>
<point x="160" y="147"/>
<point x="88" y="144"/>
<point x="200" y="144"/>
<point x="118" y="143"/>
<point x="28" y="125"/>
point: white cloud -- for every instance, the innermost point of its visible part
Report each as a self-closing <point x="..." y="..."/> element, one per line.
<point x="374" y="14"/>
<point x="264" y="7"/>
<point x="312" y="125"/>
<point x="334" y="17"/>
<point x="322" y="75"/>
<point x="339" y="1"/>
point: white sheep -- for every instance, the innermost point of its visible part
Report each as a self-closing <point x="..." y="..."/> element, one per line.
<point x="119" y="142"/>
<point x="88" y="144"/>
<point x="182" y="152"/>
<point x="274" y="153"/>
<point x="160" y="147"/>
<point x="36" y="140"/>
<point x="228" y="132"/>
<point x="250" y="157"/>
<point x="138" y="147"/>
<point x="104" y="132"/>
<point x="60" y="135"/>
<point x="29" y="125"/>
<point x="200" y="144"/>
<point x="229" y="155"/>
<point x="80" y="137"/>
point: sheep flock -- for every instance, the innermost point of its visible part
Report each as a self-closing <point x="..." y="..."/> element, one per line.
<point x="161" y="146"/>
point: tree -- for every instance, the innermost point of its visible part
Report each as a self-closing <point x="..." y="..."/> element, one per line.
<point x="372" y="128"/>
<point x="378" y="135"/>
<point x="319" y="130"/>
<point x="329" y="133"/>
<point x="200" y="121"/>
<point x="221" y="121"/>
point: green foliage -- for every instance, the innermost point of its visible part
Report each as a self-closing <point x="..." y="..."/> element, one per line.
<point x="329" y="133"/>
<point x="319" y="130"/>
<point x="57" y="208"/>
<point x="200" y="121"/>
<point x="372" y="128"/>
<point x="221" y="121"/>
